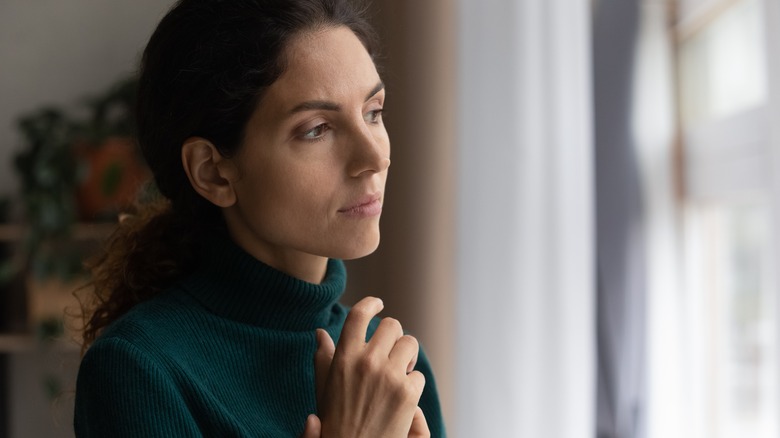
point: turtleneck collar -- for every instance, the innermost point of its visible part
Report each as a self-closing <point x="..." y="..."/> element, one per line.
<point x="233" y="284"/>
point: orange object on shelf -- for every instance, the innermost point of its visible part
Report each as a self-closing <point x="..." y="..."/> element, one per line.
<point x="114" y="175"/>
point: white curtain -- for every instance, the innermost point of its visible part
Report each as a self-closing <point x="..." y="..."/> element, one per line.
<point x="525" y="318"/>
<point x="653" y="125"/>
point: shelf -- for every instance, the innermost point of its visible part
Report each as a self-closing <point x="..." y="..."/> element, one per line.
<point x="81" y="231"/>
<point x="26" y="343"/>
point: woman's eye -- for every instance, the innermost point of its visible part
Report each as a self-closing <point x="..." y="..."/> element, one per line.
<point x="315" y="133"/>
<point x="374" y="116"/>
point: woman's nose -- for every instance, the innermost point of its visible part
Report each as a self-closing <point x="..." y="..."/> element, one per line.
<point x="370" y="151"/>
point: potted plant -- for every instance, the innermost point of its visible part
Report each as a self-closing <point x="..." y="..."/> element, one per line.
<point x="112" y="169"/>
<point x="72" y="170"/>
<point x="48" y="174"/>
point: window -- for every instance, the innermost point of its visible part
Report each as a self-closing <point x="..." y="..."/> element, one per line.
<point x="731" y="329"/>
<point x="731" y="320"/>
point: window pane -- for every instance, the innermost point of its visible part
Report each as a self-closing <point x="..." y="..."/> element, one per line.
<point x="723" y="65"/>
<point x="738" y="335"/>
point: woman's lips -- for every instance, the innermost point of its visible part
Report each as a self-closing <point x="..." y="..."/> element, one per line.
<point x="368" y="206"/>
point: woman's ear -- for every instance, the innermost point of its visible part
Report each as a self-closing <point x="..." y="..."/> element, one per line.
<point x="210" y="174"/>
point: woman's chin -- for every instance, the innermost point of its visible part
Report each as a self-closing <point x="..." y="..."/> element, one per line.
<point x="357" y="249"/>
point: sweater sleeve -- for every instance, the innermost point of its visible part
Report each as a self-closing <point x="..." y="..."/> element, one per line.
<point x="429" y="402"/>
<point x="121" y="392"/>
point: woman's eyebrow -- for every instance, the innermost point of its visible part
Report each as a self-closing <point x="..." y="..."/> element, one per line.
<point x="379" y="87"/>
<point x="331" y="106"/>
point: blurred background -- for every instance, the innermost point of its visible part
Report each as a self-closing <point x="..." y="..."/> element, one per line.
<point x="582" y="220"/>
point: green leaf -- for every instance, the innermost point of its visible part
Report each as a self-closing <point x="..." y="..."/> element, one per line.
<point x="112" y="178"/>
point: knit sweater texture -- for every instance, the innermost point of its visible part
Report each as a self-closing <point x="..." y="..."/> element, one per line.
<point x="227" y="352"/>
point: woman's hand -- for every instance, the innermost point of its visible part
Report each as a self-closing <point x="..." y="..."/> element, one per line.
<point x="313" y="428"/>
<point x="368" y="388"/>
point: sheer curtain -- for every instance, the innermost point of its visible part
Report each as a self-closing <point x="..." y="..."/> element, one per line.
<point x="653" y="127"/>
<point x="525" y="312"/>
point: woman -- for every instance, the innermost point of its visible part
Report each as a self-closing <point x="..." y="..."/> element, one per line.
<point x="215" y="310"/>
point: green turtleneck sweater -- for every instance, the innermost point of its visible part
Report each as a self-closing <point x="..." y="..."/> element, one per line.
<point x="227" y="352"/>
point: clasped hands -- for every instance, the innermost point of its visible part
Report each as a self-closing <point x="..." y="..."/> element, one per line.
<point x="367" y="389"/>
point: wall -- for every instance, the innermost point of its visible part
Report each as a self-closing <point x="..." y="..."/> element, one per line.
<point x="57" y="52"/>
<point x="413" y="270"/>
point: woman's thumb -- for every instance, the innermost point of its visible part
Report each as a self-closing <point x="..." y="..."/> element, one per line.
<point x="313" y="428"/>
<point x="322" y="360"/>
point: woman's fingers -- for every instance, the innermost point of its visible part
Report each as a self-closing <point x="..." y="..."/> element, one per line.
<point x="353" y="335"/>
<point x="313" y="427"/>
<point x="386" y="335"/>
<point x="404" y="353"/>
<point x="417" y="381"/>
<point x="322" y="360"/>
<point x="387" y="341"/>
<point x="366" y="388"/>
<point x="419" y="427"/>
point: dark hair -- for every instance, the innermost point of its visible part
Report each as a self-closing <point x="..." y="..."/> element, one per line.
<point x="203" y="73"/>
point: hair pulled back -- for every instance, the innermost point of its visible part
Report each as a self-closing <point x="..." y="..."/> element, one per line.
<point x="203" y="73"/>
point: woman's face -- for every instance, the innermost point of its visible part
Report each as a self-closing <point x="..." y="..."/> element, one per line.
<point x="313" y="165"/>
